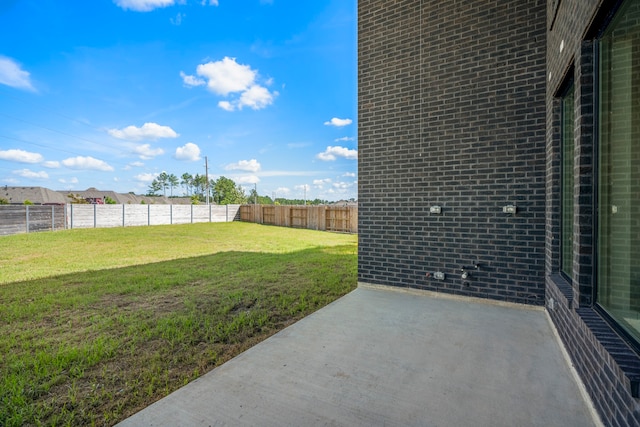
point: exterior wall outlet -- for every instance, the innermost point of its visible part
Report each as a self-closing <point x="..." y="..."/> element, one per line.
<point x="439" y="275"/>
<point x="509" y="209"/>
<point x="435" y="209"/>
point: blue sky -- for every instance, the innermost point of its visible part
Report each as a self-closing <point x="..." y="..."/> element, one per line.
<point x="109" y="93"/>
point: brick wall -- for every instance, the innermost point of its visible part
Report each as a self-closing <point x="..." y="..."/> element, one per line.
<point x="609" y="368"/>
<point x="452" y="114"/>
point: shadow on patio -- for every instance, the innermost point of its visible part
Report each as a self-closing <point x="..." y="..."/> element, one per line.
<point x="387" y="357"/>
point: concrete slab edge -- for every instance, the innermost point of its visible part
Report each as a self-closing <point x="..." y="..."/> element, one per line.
<point x="444" y="295"/>
<point x="581" y="387"/>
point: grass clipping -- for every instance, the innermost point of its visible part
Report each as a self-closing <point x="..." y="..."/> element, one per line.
<point x="117" y="329"/>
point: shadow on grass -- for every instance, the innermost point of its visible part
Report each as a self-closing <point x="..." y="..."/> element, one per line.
<point x="97" y="346"/>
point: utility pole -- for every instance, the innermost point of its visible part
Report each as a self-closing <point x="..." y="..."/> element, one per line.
<point x="206" y="173"/>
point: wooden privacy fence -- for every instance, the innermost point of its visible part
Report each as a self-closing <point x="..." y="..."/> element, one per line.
<point x="328" y="218"/>
<point x="26" y="219"/>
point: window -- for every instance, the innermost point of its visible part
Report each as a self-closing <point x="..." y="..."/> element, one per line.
<point x="567" y="145"/>
<point x="618" y="233"/>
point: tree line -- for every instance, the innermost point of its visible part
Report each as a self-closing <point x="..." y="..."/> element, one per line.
<point x="222" y="191"/>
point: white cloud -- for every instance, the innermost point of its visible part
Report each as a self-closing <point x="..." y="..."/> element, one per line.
<point x="73" y="180"/>
<point x="303" y="187"/>
<point x="342" y="185"/>
<point x="12" y="75"/>
<point x="283" y="190"/>
<point x="51" y="164"/>
<point x="228" y="78"/>
<point x="133" y="165"/>
<point x="319" y="183"/>
<point x="344" y="139"/>
<point x="226" y="105"/>
<point x="256" y="98"/>
<point x="145" y="177"/>
<point x="146" y="152"/>
<point x="21" y="156"/>
<point x="189" y="152"/>
<point x="151" y="131"/>
<point x="247" y="179"/>
<point x="143" y="5"/>
<point x="88" y="163"/>
<point x="211" y="2"/>
<point x="191" y="80"/>
<point x="245" y="165"/>
<point x="178" y="19"/>
<point x="338" y="122"/>
<point x="27" y="173"/>
<point x="332" y="153"/>
<point x="350" y="174"/>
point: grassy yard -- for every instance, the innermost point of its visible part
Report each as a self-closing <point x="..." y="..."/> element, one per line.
<point x="97" y="324"/>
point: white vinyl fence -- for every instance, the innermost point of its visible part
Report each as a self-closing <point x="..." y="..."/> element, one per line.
<point x="26" y="219"/>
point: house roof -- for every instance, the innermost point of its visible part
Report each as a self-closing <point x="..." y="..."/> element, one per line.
<point x="36" y="195"/>
<point x="42" y="196"/>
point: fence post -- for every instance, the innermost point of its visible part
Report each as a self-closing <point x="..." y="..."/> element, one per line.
<point x="71" y="215"/>
<point x="148" y="214"/>
<point x="27" y="214"/>
<point x="95" y="222"/>
<point x="123" y="214"/>
<point x="191" y="214"/>
<point x="170" y="214"/>
<point x="53" y="219"/>
<point x="210" y="213"/>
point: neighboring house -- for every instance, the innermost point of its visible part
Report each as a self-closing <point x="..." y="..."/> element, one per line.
<point x="499" y="144"/>
<point x="36" y="195"/>
<point x="45" y="196"/>
<point x="95" y="196"/>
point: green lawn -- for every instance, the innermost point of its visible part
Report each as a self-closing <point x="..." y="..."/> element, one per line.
<point x="97" y="324"/>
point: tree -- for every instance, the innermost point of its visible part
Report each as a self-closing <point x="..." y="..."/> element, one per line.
<point x="154" y="188"/>
<point x="3" y="201"/>
<point x="199" y="185"/>
<point x="163" y="180"/>
<point x="187" y="181"/>
<point x="172" y="181"/>
<point x="109" y="201"/>
<point x="226" y="191"/>
<point x="76" y="199"/>
<point x="254" y="197"/>
<point x="28" y="202"/>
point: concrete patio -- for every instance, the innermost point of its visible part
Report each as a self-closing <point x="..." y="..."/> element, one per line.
<point x="381" y="356"/>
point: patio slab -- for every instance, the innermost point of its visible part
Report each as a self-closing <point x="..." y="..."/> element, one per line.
<point x="380" y="356"/>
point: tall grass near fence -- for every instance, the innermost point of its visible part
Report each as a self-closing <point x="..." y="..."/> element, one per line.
<point x="97" y="324"/>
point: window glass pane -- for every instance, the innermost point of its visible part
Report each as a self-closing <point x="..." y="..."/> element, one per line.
<point x="619" y="169"/>
<point x="567" y="183"/>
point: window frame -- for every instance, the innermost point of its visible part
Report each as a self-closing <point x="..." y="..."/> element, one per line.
<point x="568" y="90"/>
<point x="610" y="19"/>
